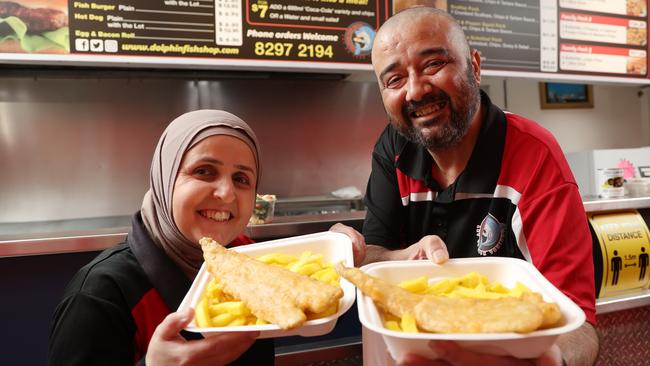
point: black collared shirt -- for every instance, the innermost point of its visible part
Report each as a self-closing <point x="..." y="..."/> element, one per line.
<point x="405" y="170"/>
<point x="516" y="198"/>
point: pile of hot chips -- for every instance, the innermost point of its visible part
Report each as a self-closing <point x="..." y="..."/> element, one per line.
<point x="217" y="309"/>
<point x="472" y="285"/>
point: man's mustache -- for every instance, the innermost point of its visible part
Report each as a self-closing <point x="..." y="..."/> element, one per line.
<point x="434" y="97"/>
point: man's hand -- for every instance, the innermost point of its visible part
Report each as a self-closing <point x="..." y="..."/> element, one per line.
<point x="358" y="241"/>
<point x="429" y="247"/>
<point x="452" y="354"/>
<point x="168" y="347"/>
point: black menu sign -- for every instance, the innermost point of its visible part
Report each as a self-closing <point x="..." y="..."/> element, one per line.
<point x="597" y="37"/>
<point x="191" y="31"/>
<point x="506" y="32"/>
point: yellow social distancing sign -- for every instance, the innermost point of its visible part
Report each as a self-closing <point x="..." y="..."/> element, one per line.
<point x="625" y="245"/>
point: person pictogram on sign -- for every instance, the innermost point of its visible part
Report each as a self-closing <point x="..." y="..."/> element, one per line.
<point x="643" y="263"/>
<point x="617" y="264"/>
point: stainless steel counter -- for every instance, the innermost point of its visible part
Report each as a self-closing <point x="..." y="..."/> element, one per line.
<point x="593" y="203"/>
<point x="100" y="233"/>
<point x="305" y="215"/>
<point x="623" y="302"/>
<point x="22" y="239"/>
<point x="283" y="226"/>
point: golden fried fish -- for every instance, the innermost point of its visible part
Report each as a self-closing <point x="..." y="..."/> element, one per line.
<point x="273" y="294"/>
<point x="442" y="314"/>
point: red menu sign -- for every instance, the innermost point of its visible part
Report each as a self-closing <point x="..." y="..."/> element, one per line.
<point x="603" y="37"/>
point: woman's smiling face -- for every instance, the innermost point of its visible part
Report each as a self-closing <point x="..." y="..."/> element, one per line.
<point x="214" y="191"/>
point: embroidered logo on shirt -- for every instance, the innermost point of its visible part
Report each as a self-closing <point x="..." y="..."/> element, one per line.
<point x="490" y="235"/>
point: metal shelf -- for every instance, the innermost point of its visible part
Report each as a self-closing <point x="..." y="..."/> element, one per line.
<point x="623" y="302"/>
<point x="568" y="78"/>
<point x="593" y="204"/>
<point x="88" y="240"/>
<point x="98" y="234"/>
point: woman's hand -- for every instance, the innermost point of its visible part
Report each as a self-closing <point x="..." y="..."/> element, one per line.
<point x="452" y="354"/>
<point x="168" y="347"/>
<point x="358" y="241"/>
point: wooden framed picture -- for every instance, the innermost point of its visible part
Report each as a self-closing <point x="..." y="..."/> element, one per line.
<point x="561" y="95"/>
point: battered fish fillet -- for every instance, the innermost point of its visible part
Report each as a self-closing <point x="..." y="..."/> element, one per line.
<point x="390" y="298"/>
<point x="550" y="310"/>
<point x="273" y="294"/>
<point x="441" y="314"/>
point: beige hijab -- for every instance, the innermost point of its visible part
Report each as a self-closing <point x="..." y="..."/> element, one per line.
<point x="181" y="134"/>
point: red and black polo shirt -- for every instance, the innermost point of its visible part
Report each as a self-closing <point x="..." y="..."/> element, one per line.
<point x="516" y="198"/>
<point x="113" y="304"/>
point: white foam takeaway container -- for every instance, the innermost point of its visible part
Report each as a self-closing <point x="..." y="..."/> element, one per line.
<point x="334" y="247"/>
<point x="504" y="270"/>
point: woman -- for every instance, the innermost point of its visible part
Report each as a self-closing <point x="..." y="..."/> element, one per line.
<point x="116" y="310"/>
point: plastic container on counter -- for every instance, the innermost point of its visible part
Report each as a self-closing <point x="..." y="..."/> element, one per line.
<point x="637" y="187"/>
<point x="264" y="209"/>
<point x="609" y="183"/>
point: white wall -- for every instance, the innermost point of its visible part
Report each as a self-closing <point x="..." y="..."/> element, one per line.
<point x="619" y="118"/>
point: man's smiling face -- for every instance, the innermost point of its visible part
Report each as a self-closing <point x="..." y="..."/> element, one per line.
<point x="428" y="79"/>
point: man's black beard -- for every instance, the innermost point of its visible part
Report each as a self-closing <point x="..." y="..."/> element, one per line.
<point x="453" y="130"/>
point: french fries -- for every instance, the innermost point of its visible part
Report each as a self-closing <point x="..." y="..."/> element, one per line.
<point x="472" y="285"/>
<point x="218" y="309"/>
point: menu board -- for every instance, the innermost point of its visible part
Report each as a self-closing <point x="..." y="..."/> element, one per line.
<point x="595" y="37"/>
<point x="607" y="37"/>
<point x="333" y="31"/>
<point x="601" y="37"/>
<point x="506" y="32"/>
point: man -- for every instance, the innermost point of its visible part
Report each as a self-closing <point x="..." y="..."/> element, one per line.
<point x="454" y="176"/>
<point x="399" y="5"/>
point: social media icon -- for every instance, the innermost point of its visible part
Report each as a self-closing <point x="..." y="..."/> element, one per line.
<point x="97" y="45"/>
<point x="110" y="45"/>
<point x="81" y="44"/>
